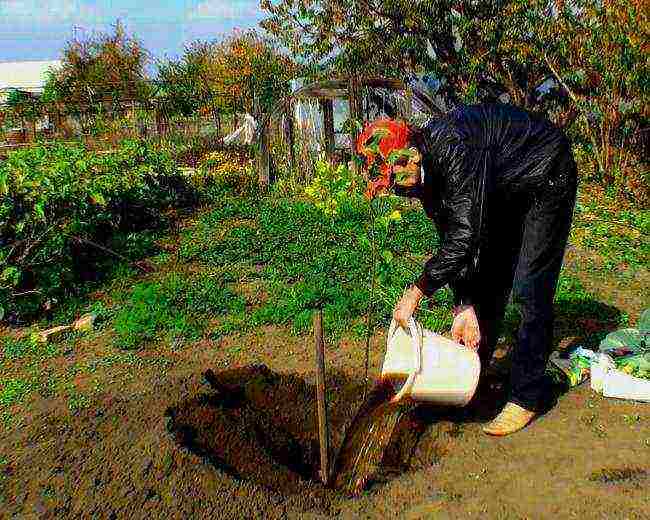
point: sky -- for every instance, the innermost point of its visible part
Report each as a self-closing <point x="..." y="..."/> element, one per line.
<point x="39" y="29"/>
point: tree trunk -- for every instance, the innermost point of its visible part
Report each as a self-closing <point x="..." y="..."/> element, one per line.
<point x="290" y="136"/>
<point x="355" y="115"/>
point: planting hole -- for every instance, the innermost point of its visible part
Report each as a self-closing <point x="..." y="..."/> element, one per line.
<point x="260" y="426"/>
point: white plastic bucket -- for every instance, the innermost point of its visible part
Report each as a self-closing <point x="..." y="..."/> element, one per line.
<point x="434" y="369"/>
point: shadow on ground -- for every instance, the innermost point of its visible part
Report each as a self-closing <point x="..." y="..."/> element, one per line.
<point x="578" y="322"/>
<point x="587" y="321"/>
<point x="581" y="320"/>
<point x="260" y="426"/>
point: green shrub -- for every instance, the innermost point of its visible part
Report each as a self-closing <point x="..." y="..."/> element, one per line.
<point x="191" y="151"/>
<point x="55" y="198"/>
<point x="227" y="172"/>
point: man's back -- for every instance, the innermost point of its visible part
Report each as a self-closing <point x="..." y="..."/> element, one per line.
<point x="519" y="149"/>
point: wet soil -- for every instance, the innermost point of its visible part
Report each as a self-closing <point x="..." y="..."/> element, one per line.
<point x="242" y="443"/>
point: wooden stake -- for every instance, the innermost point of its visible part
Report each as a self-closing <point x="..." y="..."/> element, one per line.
<point x="327" y="105"/>
<point x="323" y="431"/>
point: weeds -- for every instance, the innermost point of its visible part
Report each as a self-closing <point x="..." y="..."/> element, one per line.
<point x="632" y="419"/>
<point x="3" y="463"/>
<point x="616" y="475"/>
<point x="618" y="236"/>
<point x="17" y="348"/>
<point x="77" y="402"/>
<point x="580" y="311"/>
<point x="48" y="493"/>
<point x="307" y="258"/>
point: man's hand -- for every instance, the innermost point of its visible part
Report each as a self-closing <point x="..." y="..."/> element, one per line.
<point x="407" y="305"/>
<point x="465" y="329"/>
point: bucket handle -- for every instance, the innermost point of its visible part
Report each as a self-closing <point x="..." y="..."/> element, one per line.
<point x="416" y="340"/>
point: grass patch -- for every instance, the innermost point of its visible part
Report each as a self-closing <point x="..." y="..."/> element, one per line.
<point x="617" y="235"/>
<point x="13" y="391"/>
<point x="17" y="348"/>
<point x="77" y="402"/>
<point x="26" y="347"/>
<point x="307" y="259"/>
<point x="175" y="307"/>
<point x="3" y="478"/>
<point x="304" y="258"/>
<point x="581" y="310"/>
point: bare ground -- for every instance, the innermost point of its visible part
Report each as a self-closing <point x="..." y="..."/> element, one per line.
<point x="165" y="444"/>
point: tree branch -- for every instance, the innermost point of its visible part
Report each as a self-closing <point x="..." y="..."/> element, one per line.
<point x="576" y="101"/>
<point x="110" y="251"/>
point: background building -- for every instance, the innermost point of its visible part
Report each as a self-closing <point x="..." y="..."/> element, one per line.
<point x="26" y="76"/>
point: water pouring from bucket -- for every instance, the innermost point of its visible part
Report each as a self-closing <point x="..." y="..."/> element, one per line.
<point x="419" y="367"/>
<point x="426" y="367"/>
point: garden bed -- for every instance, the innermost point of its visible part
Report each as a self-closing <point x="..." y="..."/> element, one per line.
<point x="121" y="419"/>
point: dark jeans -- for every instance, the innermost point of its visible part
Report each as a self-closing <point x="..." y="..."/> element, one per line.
<point x="525" y="248"/>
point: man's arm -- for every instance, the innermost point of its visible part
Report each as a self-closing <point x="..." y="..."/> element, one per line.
<point x="462" y="289"/>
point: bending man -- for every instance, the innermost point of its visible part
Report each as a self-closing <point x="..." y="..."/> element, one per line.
<point x="500" y="185"/>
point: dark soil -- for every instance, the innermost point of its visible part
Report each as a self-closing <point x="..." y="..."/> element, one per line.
<point x="242" y="443"/>
<point x="259" y="426"/>
<point x="252" y="426"/>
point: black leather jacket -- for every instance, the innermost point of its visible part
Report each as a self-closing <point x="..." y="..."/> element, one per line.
<point x="470" y="157"/>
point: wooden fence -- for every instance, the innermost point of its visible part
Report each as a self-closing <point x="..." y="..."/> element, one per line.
<point x="105" y="125"/>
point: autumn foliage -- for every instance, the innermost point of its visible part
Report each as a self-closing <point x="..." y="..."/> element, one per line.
<point x="230" y="75"/>
<point x="583" y="64"/>
<point x="104" y="66"/>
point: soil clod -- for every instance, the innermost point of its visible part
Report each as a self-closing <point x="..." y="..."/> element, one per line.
<point x="619" y="475"/>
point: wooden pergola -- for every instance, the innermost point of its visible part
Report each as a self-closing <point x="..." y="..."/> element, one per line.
<point x="325" y="91"/>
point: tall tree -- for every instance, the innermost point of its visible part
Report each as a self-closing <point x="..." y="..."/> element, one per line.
<point x="185" y="84"/>
<point x="599" y="54"/>
<point x="450" y="38"/>
<point x="226" y="75"/>
<point x="583" y="61"/>
<point x="105" y="66"/>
